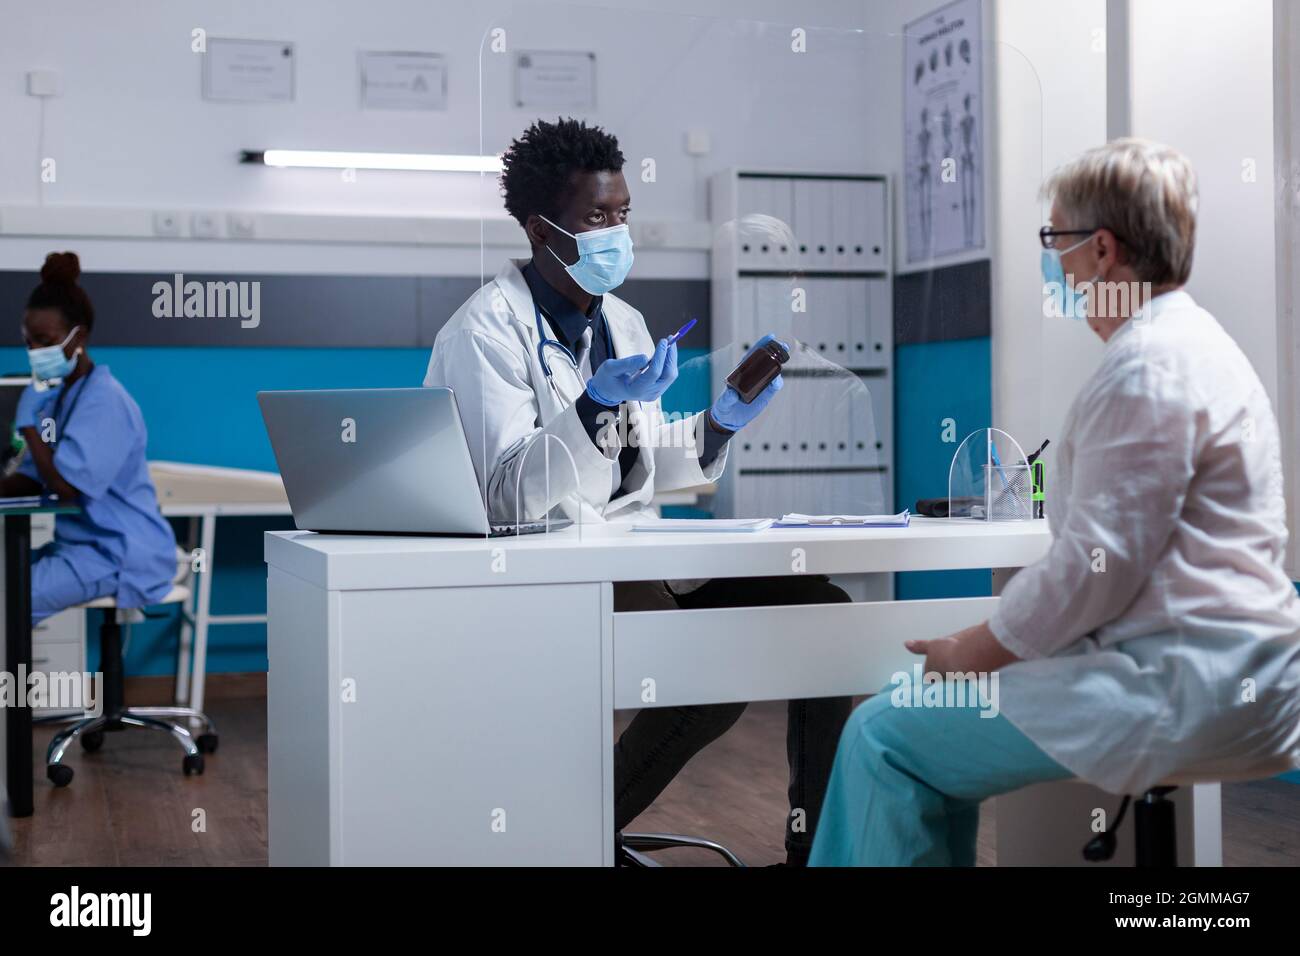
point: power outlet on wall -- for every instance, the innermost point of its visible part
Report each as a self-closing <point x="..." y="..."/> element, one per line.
<point x="44" y="83"/>
<point x="166" y="224"/>
<point x="204" y="225"/>
<point x="241" y="225"/>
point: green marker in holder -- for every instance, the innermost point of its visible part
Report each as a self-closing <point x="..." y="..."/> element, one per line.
<point x="1038" y="478"/>
<point x="1038" y="473"/>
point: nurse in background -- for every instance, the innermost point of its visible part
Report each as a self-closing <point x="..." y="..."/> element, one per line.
<point x="85" y="442"/>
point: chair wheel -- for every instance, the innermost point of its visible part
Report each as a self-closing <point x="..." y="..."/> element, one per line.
<point x="192" y="765"/>
<point x="207" y="743"/>
<point x="60" y="774"/>
<point x="92" y="741"/>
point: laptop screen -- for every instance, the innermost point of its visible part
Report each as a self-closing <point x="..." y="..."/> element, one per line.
<point x="11" y="387"/>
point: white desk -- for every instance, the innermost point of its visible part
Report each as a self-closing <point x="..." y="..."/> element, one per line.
<point x="450" y="701"/>
<point x="204" y="493"/>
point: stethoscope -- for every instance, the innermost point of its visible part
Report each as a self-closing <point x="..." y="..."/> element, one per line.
<point x="543" y="343"/>
<point x="58" y="403"/>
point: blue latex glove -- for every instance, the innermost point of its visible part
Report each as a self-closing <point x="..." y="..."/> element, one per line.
<point x="621" y="380"/>
<point x="732" y="413"/>
<point x="32" y="406"/>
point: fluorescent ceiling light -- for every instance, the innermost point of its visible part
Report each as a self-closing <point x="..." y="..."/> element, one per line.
<point x="340" y="159"/>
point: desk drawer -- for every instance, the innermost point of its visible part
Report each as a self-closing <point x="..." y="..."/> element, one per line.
<point x="66" y="626"/>
<point x="42" y="529"/>
<point x="720" y="655"/>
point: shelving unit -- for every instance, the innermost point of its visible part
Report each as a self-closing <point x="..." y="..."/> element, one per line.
<point x="807" y="255"/>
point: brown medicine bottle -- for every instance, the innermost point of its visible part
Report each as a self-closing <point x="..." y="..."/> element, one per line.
<point x="757" y="369"/>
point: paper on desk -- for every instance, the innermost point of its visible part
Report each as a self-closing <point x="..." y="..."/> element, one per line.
<point x="900" y="520"/>
<point x="707" y="525"/>
<point x="22" y="501"/>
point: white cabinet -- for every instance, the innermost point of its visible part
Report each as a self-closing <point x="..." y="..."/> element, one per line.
<point x="58" y="642"/>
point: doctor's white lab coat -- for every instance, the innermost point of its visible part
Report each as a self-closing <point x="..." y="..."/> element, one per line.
<point x="531" y="453"/>
<point x="1160" y="633"/>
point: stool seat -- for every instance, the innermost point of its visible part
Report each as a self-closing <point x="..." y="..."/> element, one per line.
<point x="178" y="593"/>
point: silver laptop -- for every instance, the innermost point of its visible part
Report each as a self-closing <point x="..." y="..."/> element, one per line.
<point x="378" y="461"/>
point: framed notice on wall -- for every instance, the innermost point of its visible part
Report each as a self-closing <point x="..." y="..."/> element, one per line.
<point x="403" y="81"/>
<point x="550" y="80"/>
<point x="943" y="134"/>
<point x="248" y="71"/>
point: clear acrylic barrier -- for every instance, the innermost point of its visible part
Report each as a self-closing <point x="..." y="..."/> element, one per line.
<point x="990" y="478"/>
<point x="780" y="185"/>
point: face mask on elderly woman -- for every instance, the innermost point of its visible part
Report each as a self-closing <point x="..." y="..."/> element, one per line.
<point x="1066" y="300"/>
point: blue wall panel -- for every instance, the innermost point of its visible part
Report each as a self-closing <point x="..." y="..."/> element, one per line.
<point x="934" y="381"/>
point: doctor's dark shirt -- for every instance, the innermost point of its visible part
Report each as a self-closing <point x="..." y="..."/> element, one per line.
<point x="568" y="322"/>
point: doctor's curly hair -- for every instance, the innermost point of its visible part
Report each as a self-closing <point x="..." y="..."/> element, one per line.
<point x="537" y="166"/>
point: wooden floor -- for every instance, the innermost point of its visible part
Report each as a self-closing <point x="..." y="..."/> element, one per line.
<point x="129" y="804"/>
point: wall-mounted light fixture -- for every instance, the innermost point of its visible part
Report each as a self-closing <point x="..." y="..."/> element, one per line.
<point x="341" y="159"/>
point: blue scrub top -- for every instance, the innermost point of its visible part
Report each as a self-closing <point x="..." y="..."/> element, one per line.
<point x="100" y="451"/>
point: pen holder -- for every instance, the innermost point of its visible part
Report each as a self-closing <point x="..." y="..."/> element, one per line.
<point x="1008" y="493"/>
<point x="990" y="479"/>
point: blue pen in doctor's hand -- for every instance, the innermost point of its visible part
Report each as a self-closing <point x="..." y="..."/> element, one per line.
<point x="671" y="340"/>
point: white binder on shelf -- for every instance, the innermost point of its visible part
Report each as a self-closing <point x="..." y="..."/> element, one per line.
<point x="825" y="317"/>
<point x="842" y="433"/>
<point x="862" y="450"/>
<point x="832" y="420"/>
<point x="874" y="217"/>
<point x="774" y="250"/>
<point x="805" y="222"/>
<point x="821" y="245"/>
<point x="882" y="404"/>
<point x="858" y="322"/>
<point x="848" y="206"/>
<point x="753" y="195"/>
<point x="838" y="316"/>
<point x="880" y="325"/>
<point x="747" y="318"/>
<point x="766" y="292"/>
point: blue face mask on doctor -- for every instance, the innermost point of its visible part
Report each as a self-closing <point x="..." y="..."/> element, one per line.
<point x="50" y="363"/>
<point x="1067" y="301"/>
<point x="604" y="257"/>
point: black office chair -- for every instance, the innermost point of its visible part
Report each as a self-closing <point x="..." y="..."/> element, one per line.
<point x="630" y="849"/>
<point x="1155" y="833"/>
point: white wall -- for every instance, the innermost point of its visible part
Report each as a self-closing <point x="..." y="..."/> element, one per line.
<point x="1051" y="104"/>
<point x="132" y="131"/>
<point x="1203" y="82"/>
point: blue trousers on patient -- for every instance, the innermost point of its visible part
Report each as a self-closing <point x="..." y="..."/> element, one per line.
<point x="908" y="781"/>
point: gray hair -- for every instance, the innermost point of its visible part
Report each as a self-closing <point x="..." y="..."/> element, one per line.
<point x="1143" y="192"/>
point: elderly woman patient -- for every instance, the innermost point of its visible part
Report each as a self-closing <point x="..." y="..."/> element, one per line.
<point x="1159" y="639"/>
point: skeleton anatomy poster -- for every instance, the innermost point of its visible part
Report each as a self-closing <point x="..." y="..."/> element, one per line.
<point x="943" y="132"/>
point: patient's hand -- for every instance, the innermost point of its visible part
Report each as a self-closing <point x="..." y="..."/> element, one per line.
<point x="940" y="654"/>
<point x="973" y="649"/>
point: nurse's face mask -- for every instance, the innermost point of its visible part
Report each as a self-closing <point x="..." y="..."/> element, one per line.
<point x="604" y="257"/>
<point x="49" y="363"/>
